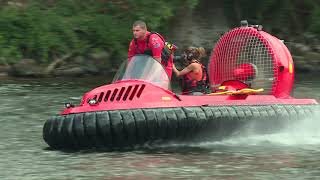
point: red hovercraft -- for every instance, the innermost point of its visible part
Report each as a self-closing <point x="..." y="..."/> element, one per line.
<point x="251" y="76"/>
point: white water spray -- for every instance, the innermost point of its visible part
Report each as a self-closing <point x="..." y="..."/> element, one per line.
<point x="303" y="132"/>
<point x="296" y="132"/>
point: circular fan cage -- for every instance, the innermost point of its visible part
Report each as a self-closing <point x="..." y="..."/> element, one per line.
<point x="254" y="57"/>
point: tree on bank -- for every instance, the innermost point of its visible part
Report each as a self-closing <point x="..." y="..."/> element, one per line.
<point x="48" y="30"/>
<point x="51" y="31"/>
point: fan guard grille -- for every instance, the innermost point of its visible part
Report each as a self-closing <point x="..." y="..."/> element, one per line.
<point x="240" y="46"/>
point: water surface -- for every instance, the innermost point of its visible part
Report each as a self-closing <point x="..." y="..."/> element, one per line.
<point x="26" y="104"/>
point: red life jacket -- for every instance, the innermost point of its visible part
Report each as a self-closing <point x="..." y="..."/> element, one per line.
<point x="165" y="54"/>
<point x="190" y="85"/>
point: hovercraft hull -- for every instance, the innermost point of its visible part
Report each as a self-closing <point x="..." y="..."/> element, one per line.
<point x="121" y="129"/>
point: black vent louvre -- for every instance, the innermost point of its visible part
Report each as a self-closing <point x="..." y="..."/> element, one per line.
<point x="120" y="94"/>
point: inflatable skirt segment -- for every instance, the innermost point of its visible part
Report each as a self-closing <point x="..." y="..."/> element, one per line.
<point x="123" y="129"/>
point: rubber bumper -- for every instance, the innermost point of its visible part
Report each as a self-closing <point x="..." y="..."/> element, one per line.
<point x="123" y="129"/>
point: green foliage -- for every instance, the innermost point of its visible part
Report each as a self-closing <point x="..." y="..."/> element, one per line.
<point x="33" y="33"/>
<point x="46" y="30"/>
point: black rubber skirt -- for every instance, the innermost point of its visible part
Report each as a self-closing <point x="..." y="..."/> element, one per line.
<point x="122" y="129"/>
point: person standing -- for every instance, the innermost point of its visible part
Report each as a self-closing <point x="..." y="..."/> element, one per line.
<point x="150" y="43"/>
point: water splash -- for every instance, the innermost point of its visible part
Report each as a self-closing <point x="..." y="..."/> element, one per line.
<point x="303" y="132"/>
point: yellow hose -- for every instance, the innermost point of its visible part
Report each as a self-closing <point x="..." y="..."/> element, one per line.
<point x="238" y="92"/>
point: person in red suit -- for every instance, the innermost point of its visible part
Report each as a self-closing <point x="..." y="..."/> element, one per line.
<point x="149" y="43"/>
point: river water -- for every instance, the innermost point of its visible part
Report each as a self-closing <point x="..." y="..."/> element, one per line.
<point x="27" y="103"/>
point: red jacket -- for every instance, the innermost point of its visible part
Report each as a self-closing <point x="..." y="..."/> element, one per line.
<point x="155" y="44"/>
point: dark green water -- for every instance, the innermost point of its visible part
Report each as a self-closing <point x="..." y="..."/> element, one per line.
<point x="27" y="103"/>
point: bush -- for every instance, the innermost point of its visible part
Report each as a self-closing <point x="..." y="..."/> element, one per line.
<point x="46" y="30"/>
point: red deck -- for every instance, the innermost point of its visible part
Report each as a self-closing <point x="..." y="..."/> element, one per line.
<point x="132" y="94"/>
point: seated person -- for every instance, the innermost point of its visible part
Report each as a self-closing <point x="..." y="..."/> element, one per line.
<point x="194" y="76"/>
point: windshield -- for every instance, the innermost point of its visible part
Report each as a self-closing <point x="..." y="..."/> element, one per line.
<point x="143" y="67"/>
